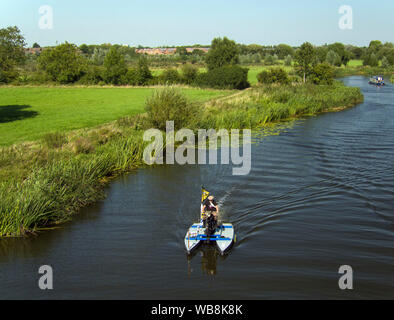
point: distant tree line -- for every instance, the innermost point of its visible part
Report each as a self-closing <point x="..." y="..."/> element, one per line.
<point x="122" y="65"/>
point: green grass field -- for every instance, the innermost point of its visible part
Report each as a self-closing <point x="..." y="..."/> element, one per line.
<point x="27" y="113"/>
<point x="355" y="63"/>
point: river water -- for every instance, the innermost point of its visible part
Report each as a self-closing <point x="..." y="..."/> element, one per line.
<point x="320" y="195"/>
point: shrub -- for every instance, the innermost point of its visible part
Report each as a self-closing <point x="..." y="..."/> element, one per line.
<point x="274" y="75"/>
<point x="94" y="75"/>
<point x="169" y="104"/>
<point x="228" y="77"/>
<point x="55" y="139"/>
<point x="322" y="73"/>
<point x="189" y="73"/>
<point x="131" y="77"/>
<point x="170" y="76"/>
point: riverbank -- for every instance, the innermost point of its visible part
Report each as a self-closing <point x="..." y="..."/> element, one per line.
<point x="43" y="184"/>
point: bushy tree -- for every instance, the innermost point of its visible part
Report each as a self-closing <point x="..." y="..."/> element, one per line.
<point x="333" y="58"/>
<point x="115" y="67"/>
<point x="223" y="52"/>
<point x="63" y="63"/>
<point x="357" y="52"/>
<point x="321" y="53"/>
<point x="143" y="72"/>
<point x="288" y="61"/>
<point x="98" y="56"/>
<point x="341" y="51"/>
<point x="322" y="73"/>
<point x="36" y="45"/>
<point x="170" y="76"/>
<point x="304" y="58"/>
<point x="270" y="59"/>
<point x="189" y="73"/>
<point x="11" y="53"/>
<point x="274" y="75"/>
<point x="284" y="50"/>
<point x="374" y="46"/>
<point x="385" y="63"/>
<point x="370" y="59"/>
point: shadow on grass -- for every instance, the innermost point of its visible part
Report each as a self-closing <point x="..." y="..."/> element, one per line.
<point x="15" y="112"/>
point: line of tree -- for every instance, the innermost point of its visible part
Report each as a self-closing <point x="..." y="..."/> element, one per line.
<point x="118" y="65"/>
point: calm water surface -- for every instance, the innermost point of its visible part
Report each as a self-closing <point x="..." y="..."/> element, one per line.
<point x="320" y="195"/>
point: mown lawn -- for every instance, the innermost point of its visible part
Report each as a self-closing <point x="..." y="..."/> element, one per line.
<point x="27" y="113"/>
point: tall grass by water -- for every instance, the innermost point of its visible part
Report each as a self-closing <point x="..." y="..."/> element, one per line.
<point x="274" y="103"/>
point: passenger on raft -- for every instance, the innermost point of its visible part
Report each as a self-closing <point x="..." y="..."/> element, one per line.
<point x="210" y="205"/>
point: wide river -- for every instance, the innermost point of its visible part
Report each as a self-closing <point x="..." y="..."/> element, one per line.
<point x="320" y="195"/>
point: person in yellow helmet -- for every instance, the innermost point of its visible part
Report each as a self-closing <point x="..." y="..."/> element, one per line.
<point x="211" y="206"/>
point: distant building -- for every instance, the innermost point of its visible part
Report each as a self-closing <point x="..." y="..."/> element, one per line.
<point x="166" y="51"/>
<point x="33" y="50"/>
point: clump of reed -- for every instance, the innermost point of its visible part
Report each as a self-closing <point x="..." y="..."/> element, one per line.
<point x="274" y="103"/>
<point x="54" y="139"/>
<point x="53" y="191"/>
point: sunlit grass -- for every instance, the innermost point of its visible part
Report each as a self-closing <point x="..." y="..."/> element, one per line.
<point x="28" y="113"/>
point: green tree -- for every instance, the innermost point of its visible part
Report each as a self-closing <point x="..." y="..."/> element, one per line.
<point x="189" y="73"/>
<point x="115" y="66"/>
<point x="357" y="52"/>
<point x="223" y="52"/>
<point x="143" y="72"/>
<point x="284" y="50"/>
<point x="274" y="75"/>
<point x="321" y="53"/>
<point x="170" y="76"/>
<point x="341" y="51"/>
<point x="36" y="45"/>
<point x="84" y="48"/>
<point x="181" y="51"/>
<point x="385" y="63"/>
<point x="304" y="58"/>
<point x="11" y="53"/>
<point x="322" y="73"/>
<point x="375" y="46"/>
<point x="333" y="58"/>
<point x="370" y="59"/>
<point x="63" y="63"/>
<point x="270" y="59"/>
<point x="288" y="61"/>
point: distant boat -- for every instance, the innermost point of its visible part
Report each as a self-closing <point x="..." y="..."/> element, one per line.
<point x="377" y="81"/>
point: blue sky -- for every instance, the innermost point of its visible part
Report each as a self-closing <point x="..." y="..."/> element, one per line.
<point x="185" y="22"/>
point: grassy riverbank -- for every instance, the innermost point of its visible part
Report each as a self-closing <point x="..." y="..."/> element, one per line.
<point x="45" y="182"/>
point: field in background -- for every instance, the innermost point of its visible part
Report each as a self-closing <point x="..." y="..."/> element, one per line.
<point x="27" y="113"/>
<point x="355" y="63"/>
